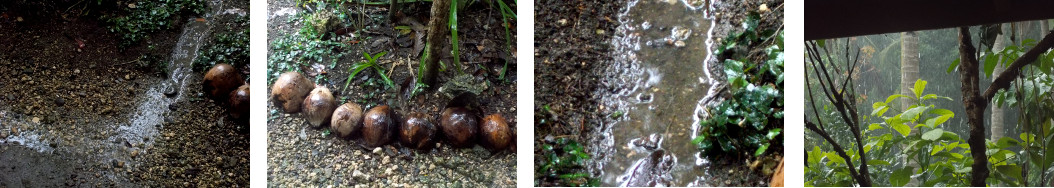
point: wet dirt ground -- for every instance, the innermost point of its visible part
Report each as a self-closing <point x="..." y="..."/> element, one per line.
<point x="301" y="156"/>
<point x="654" y="79"/>
<point x="74" y="116"/>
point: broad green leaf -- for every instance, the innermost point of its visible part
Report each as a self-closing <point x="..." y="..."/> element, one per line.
<point x="933" y="134"/>
<point x="879" y="110"/>
<point x="815" y="155"/>
<point x="834" y="158"/>
<point x="902" y="129"/>
<point x="1007" y="142"/>
<point x="874" y="126"/>
<point x="894" y="97"/>
<point x="822" y="43"/>
<point x="920" y="86"/>
<point x="1047" y="128"/>
<point x="913" y="113"/>
<point x="1027" y="137"/>
<point x="1013" y="171"/>
<point x="952" y="146"/>
<point x="900" y="177"/>
<point x="936" y="149"/>
<point x="1001" y="156"/>
<point x="955" y="64"/>
<point x="990" y="62"/>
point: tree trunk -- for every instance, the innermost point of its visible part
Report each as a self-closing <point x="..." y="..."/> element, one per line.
<point x="909" y="73"/>
<point x="437" y="38"/>
<point x="975" y="105"/>
<point x="997" y="111"/>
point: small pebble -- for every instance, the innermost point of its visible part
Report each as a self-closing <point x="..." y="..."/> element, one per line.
<point x="377" y="150"/>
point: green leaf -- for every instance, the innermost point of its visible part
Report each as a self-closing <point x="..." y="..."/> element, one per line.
<point x="920" y="86"/>
<point x="902" y="129"/>
<point x="1007" y="142"/>
<point x="874" y="126"/>
<point x="943" y="116"/>
<point x="990" y="62"/>
<point x="834" y="158"/>
<point x="893" y="97"/>
<point x="880" y="108"/>
<point x="955" y="64"/>
<point x="901" y="177"/>
<point x="822" y="43"/>
<point x="936" y="149"/>
<point x="1013" y="171"/>
<point x="773" y="133"/>
<point x="933" y="134"/>
<point x="815" y="155"/>
<point x="913" y="113"/>
<point x="761" y="150"/>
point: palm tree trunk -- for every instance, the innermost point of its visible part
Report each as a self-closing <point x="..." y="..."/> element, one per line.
<point x="997" y="111"/>
<point x="909" y="73"/>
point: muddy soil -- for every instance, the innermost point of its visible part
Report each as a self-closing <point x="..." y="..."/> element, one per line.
<point x="65" y="107"/>
<point x="302" y="156"/>
<point x="572" y="70"/>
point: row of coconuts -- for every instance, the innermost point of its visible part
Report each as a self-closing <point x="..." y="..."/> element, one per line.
<point x="294" y="93"/>
<point x="224" y="84"/>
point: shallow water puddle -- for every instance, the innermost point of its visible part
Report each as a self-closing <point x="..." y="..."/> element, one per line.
<point x="661" y="48"/>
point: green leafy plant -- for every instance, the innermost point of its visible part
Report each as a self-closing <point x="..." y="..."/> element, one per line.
<point x="371" y="61"/>
<point x="750" y="121"/>
<point x="229" y="47"/>
<point x="146" y="17"/>
<point x="565" y="160"/>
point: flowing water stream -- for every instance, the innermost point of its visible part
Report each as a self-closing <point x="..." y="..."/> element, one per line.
<point x="660" y="81"/>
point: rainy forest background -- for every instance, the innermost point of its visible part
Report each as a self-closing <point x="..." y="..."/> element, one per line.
<point x="898" y="97"/>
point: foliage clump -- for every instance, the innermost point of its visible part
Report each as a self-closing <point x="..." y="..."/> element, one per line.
<point x="563" y="160"/>
<point x="751" y="120"/>
<point x="145" y="17"/>
<point x="229" y="47"/>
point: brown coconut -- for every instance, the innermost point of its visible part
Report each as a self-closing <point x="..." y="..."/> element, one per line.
<point x="239" y="99"/>
<point x="417" y="131"/>
<point x="347" y="119"/>
<point x="289" y="91"/>
<point x="496" y="132"/>
<point x="318" y="107"/>
<point x="221" y="80"/>
<point x="378" y="126"/>
<point x="459" y="125"/>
